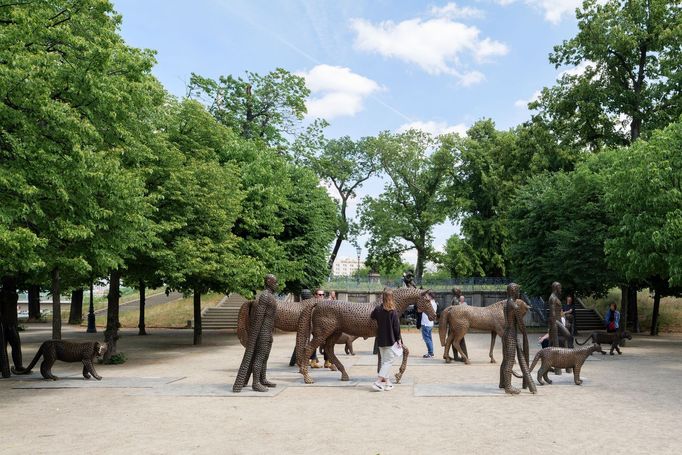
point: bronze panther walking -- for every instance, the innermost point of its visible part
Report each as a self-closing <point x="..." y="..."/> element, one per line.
<point x="66" y="351"/>
<point x="556" y="358"/>
<point x="455" y="322"/>
<point x="612" y="338"/>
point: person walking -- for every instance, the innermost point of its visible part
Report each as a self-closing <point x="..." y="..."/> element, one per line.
<point x="388" y="338"/>
<point x="427" y="328"/>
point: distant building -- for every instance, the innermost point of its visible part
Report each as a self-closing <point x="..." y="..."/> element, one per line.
<point x="346" y="266"/>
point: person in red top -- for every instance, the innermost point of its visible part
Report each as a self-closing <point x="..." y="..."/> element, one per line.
<point x="388" y="335"/>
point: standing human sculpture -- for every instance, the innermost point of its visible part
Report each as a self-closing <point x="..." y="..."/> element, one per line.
<point x="10" y="325"/>
<point x="258" y="347"/>
<point x="513" y="325"/>
<point x="554" y="304"/>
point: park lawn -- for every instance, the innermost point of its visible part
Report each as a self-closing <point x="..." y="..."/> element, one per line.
<point x="169" y="315"/>
<point x="670" y="313"/>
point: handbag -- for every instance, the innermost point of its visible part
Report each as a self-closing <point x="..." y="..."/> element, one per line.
<point x="397" y="349"/>
<point x="612" y="325"/>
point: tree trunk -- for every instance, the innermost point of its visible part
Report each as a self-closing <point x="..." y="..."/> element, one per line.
<point x="92" y="328"/>
<point x="76" y="312"/>
<point x="197" y="316"/>
<point x="111" y="333"/>
<point x="33" y="302"/>
<point x="633" y="313"/>
<point x="56" y="306"/>
<point x="624" y="296"/>
<point x="335" y="251"/>
<point x="419" y="270"/>
<point x="140" y="325"/>
<point x="654" y="316"/>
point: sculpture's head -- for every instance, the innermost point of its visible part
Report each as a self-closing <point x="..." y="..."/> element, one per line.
<point x="424" y="304"/>
<point x="556" y="288"/>
<point x="513" y="291"/>
<point x="596" y="347"/>
<point x="457" y="292"/>
<point x="100" y="348"/>
<point x="271" y="281"/>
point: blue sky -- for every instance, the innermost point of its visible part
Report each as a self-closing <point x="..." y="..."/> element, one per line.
<point x="371" y="65"/>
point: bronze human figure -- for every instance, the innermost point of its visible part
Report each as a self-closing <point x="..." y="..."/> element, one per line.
<point x="554" y="304"/>
<point x="510" y="348"/>
<point x="258" y="348"/>
<point x="8" y="319"/>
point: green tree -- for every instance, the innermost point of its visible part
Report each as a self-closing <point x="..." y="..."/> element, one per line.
<point x="631" y="82"/>
<point x="266" y="108"/>
<point x="645" y="189"/>
<point x="413" y="202"/>
<point x="558" y="225"/>
<point x="460" y="259"/>
<point x="72" y="94"/>
<point x="345" y="164"/>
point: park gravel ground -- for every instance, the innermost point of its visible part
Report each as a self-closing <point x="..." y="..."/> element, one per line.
<point x="630" y="403"/>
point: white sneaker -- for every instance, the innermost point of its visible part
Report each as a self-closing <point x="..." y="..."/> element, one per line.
<point x="378" y="386"/>
<point x="388" y="386"/>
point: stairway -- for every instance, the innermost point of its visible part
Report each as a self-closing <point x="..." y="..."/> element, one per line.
<point x="587" y="319"/>
<point x="224" y="315"/>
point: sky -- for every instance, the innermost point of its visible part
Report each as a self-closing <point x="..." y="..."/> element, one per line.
<point x="371" y="66"/>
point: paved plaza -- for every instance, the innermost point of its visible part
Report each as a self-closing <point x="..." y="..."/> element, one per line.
<point x="172" y="397"/>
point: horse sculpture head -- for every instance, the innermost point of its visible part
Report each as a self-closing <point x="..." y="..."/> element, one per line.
<point x="424" y="304"/>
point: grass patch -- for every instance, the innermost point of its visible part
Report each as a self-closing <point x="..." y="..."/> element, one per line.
<point x="168" y="315"/>
<point x="669" y="316"/>
<point x="116" y="359"/>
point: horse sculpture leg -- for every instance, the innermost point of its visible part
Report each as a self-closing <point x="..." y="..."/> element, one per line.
<point x="403" y="365"/>
<point x="329" y="349"/>
<point x="448" y="346"/>
<point x="309" y="349"/>
<point x="492" y="346"/>
<point x="458" y="346"/>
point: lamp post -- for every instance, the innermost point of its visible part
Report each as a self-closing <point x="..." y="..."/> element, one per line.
<point x="357" y="272"/>
<point x="91" y="314"/>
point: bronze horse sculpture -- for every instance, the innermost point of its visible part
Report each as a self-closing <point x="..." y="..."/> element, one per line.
<point x="455" y="322"/>
<point x="328" y="319"/>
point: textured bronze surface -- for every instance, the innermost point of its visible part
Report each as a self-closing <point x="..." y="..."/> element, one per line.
<point x="328" y="319"/>
<point x="557" y="358"/>
<point x="612" y="338"/>
<point x="262" y="323"/>
<point x="513" y="324"/>
<point x="66" y="351"/>
<point x="455" y="322"/>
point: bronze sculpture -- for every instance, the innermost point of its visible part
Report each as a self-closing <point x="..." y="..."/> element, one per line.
<point x="612" y="338"/>
<point x="513" y="324"/>
<point x="66" y="351"/>
<point x="327" y="320"/>
<point x="557" y="358"/>
<point x="262" y="323"/>
<point x="455" y="321"/>
<point x="8" y="318"/>
<point x="554" y="304"/>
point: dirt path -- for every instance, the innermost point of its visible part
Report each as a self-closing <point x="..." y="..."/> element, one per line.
<point x="628" y="403"/>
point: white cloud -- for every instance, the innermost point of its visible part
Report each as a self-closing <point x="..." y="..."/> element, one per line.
<point x="521" y="103"/>
<point x="435" y="128"/>
<point x="554" y="10"/>
<point x="454" y="11"/>
<point x="436" y="45"/>
<point x="577" y="70"/>
<point x="336" y="91"/>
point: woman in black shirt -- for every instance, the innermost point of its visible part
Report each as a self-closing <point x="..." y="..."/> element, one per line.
<point x="388" y="338"/>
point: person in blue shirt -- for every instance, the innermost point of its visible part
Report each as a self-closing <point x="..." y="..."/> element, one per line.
<point x="612" y="319"/>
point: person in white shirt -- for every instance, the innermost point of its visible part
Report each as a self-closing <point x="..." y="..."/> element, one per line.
<point x="427" y="327"/>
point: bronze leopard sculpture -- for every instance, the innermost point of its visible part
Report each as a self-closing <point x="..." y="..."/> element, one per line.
<point x="66" y="351"/>
<point x="613" y="339"/>
<point x="557" y="358"/>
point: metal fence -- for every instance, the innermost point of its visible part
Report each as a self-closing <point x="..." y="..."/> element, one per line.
<point x="376" y="284"/>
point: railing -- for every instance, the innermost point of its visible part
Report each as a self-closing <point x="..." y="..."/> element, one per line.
<point x="376" y="284"/>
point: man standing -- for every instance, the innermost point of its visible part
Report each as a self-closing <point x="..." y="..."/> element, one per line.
<point x="255" y="358"/>
<point x="427" y="328"/>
